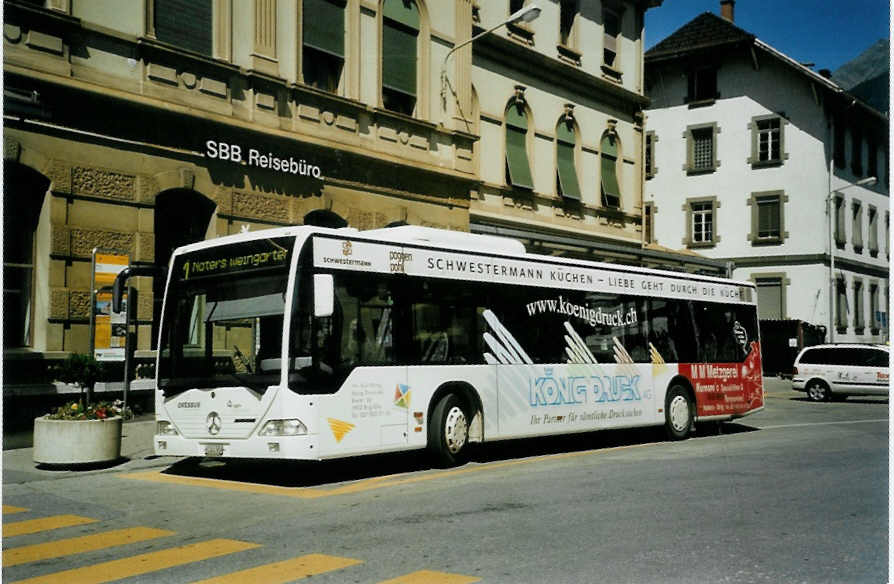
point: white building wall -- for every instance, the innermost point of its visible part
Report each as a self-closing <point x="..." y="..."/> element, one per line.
<point x="802" y="257"/>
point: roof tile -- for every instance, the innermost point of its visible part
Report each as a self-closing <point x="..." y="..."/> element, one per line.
<point x="704" y="31"/>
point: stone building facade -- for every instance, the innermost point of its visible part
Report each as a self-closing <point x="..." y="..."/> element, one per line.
<point x="142" y="125"/>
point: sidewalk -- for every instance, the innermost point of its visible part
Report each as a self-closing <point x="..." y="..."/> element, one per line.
<point x="136" y="453"/>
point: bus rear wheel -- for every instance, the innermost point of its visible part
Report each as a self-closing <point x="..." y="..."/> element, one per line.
<point x="678" y="413"/>
<point x="448" y="431"/>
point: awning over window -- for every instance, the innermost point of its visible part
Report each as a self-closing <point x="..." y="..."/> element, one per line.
<point x="611" y="192"/>
<point x="402" y="11"/>
<point x="565" y="162"/>
<point x="516" y="149"/>
<point x="400" y="28"/>
<point x="324" y="26"/>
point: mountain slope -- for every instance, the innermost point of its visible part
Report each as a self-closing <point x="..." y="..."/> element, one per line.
<point x="867" y="76"/>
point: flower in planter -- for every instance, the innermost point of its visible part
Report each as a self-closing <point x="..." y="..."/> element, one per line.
<point x="98" y="411"/>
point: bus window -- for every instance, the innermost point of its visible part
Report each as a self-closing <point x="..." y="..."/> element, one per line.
<point x="618" y="328"/>
<point x="724" y="335"/>
<point x="660" y="326"/>
<point x="366" y="305"/>
<point x="359" y="332"/>
<point x="268" y="344"/>
<point x="446" y="323"/>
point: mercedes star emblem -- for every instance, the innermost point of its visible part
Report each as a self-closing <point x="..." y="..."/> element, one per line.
<point x="213" y="422"/>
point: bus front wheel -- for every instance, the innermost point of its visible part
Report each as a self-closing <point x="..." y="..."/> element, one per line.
<point x="448" y="431"/>
<point x="678" y="413"/>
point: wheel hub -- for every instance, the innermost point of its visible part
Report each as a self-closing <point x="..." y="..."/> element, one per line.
<point x="679" y="413"/>
<point x="816" y="391"/>
<point x="456" y="430"/>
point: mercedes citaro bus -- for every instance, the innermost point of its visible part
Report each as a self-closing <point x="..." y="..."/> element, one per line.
<point x="315" y="343"/>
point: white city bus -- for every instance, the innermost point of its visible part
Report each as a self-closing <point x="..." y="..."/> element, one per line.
<point x="314" y="343"/>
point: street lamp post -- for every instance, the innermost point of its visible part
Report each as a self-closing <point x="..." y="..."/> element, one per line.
<point x="833" y="292"/>
<point x="525" y="14"/>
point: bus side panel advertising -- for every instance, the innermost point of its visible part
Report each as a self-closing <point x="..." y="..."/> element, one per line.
<point x="368" y="414"/>
<point x="724" y="389"/>
<point x="553" y="399"/>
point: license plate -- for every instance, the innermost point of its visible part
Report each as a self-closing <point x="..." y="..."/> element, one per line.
<point x="214" y="449"/>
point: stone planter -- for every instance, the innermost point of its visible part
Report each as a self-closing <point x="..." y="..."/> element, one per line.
<point x="77" y="441"/>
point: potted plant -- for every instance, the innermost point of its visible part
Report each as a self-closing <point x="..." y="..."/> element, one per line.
<point x="79" y="432"/>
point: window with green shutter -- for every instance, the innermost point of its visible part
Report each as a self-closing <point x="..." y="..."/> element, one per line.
<point x="518" y="169"/>
<point x="323" y="47"/>
<point x="608" y="154"/>
<point x="565" y="169"/>
<point x="400" y="32"/>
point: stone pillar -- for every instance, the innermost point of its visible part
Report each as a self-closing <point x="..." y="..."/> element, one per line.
<point x="461" y="77"/>
<point x="263" y="55"/>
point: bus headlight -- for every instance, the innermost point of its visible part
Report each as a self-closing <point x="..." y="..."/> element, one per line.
<point x="165" y="428"/>
<point x="283" y="428"/>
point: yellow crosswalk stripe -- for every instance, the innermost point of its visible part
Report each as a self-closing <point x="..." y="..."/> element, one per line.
<point x="287" y="571"/>
<point x="431" y="577"/>
<point x="144" y="563"/>
<point x="44" y="524"/>
<point x="78" y="545"/>
<point x="9" y="509"/>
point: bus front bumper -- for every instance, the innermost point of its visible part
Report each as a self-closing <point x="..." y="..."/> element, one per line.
<point x="273" y="447"/>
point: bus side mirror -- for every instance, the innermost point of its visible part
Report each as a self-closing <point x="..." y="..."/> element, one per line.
<point x="324" y="295"/>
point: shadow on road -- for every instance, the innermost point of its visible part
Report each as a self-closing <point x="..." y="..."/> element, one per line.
<point x="843" y="400"/>
<point x="312" y="474"/>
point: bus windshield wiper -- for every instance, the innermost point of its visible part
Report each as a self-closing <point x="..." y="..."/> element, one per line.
<point x="242" y="358"/>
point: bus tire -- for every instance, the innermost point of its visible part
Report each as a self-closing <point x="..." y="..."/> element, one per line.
<point x="448" y="431"/>
<point x="678" y="413"/>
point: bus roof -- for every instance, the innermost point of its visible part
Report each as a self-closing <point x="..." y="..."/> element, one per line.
<point x="442" y="239"/>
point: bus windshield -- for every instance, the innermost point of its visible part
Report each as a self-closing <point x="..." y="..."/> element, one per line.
<point x="223" y="318"/>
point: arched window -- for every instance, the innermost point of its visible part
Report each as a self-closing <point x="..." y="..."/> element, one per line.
<point x="608" y="154"/>
<point x="181" y="216"/>
<point x="323" y="43"/>
<point x="325" y="218"/>
<point x="400" y="34"/>
<point x="567" y="184"/>
<point x="518" y="167"/>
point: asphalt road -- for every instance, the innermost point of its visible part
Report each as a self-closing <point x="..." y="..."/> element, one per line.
<point x="796" y="493"/>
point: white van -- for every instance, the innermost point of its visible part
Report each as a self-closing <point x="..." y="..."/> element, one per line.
<point x="830" y="371"/>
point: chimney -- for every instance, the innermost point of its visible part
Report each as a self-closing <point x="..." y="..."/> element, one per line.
<point x="825" y="73"/>
<point x="727" y="9"/>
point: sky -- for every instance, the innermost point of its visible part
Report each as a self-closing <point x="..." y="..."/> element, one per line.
<point x="823" y="32"/>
